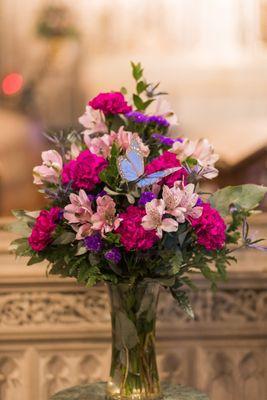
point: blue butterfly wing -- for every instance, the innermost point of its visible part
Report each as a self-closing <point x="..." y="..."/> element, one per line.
<point x="156" y="177"/>
<point x="127" y="172"/>
<point x="131" y="166"/>
<point x="137" y="161"/>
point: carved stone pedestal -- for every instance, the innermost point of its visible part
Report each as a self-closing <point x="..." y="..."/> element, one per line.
<point x="96" y="391"/>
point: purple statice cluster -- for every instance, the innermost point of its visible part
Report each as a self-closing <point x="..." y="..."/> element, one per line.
<point x="146" y="197"/>
<point x="113" y="255"/>
<point x="94" y="243"/>
<point x="140" y="118"/>
<point x="167" y="141"/>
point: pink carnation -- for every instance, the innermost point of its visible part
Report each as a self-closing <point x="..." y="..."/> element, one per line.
<point x="44" y="226"/>
<point x="165" y="161"/>
<point x="84" y="171"/>
<point x="110" y="103"/>
<point x="133" y="235"/>
<point x="210" y="228"/>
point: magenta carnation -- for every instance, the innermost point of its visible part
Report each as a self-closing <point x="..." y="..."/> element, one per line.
<point x="84" y="171"/>
<point x="210" y="228"/>
<point x="44" y="226"/>
<point x="165" y="161"/>
<point x="110" y="103"/>
<point x="132" y="235"/>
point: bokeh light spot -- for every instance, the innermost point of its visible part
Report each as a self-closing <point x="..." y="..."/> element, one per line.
<point x="12" y="83"/>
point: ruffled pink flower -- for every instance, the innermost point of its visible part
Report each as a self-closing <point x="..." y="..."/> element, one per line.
<point x="43" y="229"/>
<point x="105" y="219"/>
<point x="84" y="171"/>
<point x="110" y="103"/>
<point x="50" y="170"/>
<point x="132" y="234"/>
<point x="154" y="218"/>
<point x="165" y="161"/>
<point x="210" y="228"/>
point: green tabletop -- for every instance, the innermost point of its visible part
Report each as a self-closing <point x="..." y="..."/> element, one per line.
<point x="96" y="391"/>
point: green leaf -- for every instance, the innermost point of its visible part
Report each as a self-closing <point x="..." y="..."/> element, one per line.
<point x="176" y="262"/>
<point x="21" y="247"/>
<point x="26" y="216"/>
<point x="65" y="238"/>
<point x="35" y="259"/>
<point x="137" y="70"/>
<point x="138" y="102"/>
<point x="246" y="196"/>
<point x="123" y="90"/>
<point x="183" y="301"/>
<point x="81" y="249"/>
<point x="141" y="87"/>
<point x="19" y="227"/>
<point x="128" y="337"/>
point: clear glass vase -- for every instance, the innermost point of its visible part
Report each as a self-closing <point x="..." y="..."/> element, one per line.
<point x="133" y="372"/>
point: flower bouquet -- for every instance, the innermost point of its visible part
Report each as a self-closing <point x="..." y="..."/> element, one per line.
<point x="126" y="207"/>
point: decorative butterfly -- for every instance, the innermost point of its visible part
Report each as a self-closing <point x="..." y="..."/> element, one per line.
<point x="131" y="167"/>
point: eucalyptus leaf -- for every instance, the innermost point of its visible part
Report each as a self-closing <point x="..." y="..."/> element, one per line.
<point x="245" y="196"/>
<point x="25" y="216"/>
<point x="128" y="337"/>
<point x="19" y="227"/>
<point x="64" y="238"/>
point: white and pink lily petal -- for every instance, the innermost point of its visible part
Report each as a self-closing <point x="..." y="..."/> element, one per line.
<point x="79" y="210"/>
<point x="202" y="151"/>
<point x="100" y="145"/>
<point x="50" y="170"/>
<point x="124" y="138"/>
<point x="189" y="201"/>
<point x="154" y="218"/>
<point x="105" y="219"/>
<point x="83" y="231"/>
<point x="93" y="121"/>
<point x="172" y="198"/>
<point x="163" y="108"/>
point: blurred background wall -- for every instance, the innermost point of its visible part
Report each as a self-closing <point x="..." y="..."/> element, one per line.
<point x="211" y="56"/>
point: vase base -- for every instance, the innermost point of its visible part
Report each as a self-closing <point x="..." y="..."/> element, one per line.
<point x="114" y="393"/>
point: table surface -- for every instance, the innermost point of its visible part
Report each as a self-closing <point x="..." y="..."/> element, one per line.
<point x="96" y="391"/>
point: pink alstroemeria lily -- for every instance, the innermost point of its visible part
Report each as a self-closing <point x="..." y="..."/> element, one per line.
<point x="50" y="170"/>
<point x="93" y="121"/>
<point x="79" y="214"/>
<point x="202" y="151"/>
<point x="101" y="145"/>
<point x="189" y="201"/>
<point x="105" y="219"/>
<point x="172" y="198"/>
<point x="154" y="218"/>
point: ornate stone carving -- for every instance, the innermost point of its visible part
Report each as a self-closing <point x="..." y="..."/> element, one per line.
<point x="57" y="375"/>
<point x="36" y="308"/>
<point x="10" y="380"/>
<point x="91" y="306"/>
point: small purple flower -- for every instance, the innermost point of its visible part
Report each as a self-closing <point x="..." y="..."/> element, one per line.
<point x="158" y="120"/>
<point x="113" y="255"/>
<point x="199" y="202"/>
<point x="94" y="243"/>
<point x="146" y="197"/>
<point x="101" y="194"/>
<point x="91" y="197"/>
<point x="167" y="141"/>
<point x="137" y="117"/>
